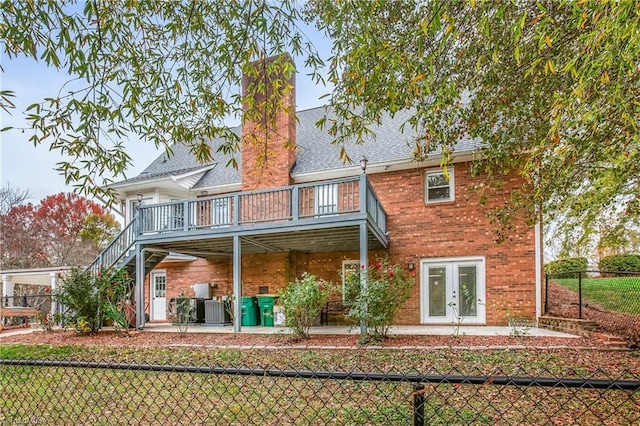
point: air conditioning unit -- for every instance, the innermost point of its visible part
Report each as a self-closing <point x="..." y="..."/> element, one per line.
<point x="215" y="312"/>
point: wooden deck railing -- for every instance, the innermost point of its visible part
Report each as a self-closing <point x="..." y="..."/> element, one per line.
<point x="291" y="203"/>
<point x="300" y="203"/>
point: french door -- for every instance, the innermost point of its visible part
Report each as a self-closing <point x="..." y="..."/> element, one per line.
<point x="452" y="290"/>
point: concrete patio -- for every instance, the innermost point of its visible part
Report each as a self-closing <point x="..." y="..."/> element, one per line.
<point x="416" y="330"/>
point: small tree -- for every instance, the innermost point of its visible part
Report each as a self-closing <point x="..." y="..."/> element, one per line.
<point x="388" y="288"/>
<point x="302" y="301"/>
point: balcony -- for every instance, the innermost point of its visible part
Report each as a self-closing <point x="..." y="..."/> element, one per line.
<point x="320" y="216"/>
<point x="303" y="209"/>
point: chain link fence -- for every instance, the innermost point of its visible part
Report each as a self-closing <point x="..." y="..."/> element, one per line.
<point x="54" y="392"/>
<point x="611" y="299"/>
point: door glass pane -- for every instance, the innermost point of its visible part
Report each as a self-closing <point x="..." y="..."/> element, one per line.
<point x="437" y="292"/>
<point x="160" y="286"/>
<point x="468" y="291"/>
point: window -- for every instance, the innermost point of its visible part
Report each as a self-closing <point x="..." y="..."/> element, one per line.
<point x="147" y="223"/>
<point x="349" y="267"/>
<point x="438" y="187"/>
<point x="326" y="199"/>
<point x="221" y="212"/>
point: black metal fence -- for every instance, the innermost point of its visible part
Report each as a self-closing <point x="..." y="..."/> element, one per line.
<point x="611" y="299"/>
<point x="80" y="392"/>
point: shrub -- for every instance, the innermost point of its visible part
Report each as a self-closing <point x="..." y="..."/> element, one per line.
<point x="82" y="299"/>
<point x="116" y="289"/>
<point x="302" y="301"/>
<point x="92" y="298"/>
<point x="564" y="266"/>
<point x="388" y="288"/>
<point x="620" y="263"/>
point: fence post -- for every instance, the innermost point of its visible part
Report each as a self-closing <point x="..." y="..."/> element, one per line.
<point x="418" y="405"/>
<point x="546" y="293"/>
<point x="580" y="295"/>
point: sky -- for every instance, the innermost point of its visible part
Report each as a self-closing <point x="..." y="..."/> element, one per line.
<point x="32" y="168"/>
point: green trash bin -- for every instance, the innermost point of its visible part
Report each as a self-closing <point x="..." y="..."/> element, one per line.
<point x="249" y="308"/>
<point x="266" y="302"/>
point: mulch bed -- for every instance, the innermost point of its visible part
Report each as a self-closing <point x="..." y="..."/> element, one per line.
<point x="152" y="339"/>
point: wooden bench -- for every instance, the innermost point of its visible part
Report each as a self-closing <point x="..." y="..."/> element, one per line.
<point x="17" y="311"/>
<point x="333" y="308"/>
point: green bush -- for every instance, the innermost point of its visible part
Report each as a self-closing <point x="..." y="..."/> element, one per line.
<point x="620" y="263"/>
<point x="116" y="288"/>
<point x="81" y="298"/>
<point x="563" y="266"/>
<point x="90" y="299"/>
<point x="302" y="301"/>
<point x="388" y="288"/>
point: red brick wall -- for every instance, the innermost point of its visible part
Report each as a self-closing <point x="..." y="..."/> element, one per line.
<point x="268" y="143"/>
<point x="455" y="229"/>
<point x="417" y="231"/>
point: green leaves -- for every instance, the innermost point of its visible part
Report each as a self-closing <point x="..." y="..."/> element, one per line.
<point x="546" y="86"/>
<point x="163" y="72"/>
<point x="549" y="87"/>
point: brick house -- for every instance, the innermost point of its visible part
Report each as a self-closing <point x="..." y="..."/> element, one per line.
<point x="253" y="229"/>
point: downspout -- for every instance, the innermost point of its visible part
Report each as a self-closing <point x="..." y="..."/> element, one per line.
<point x="538" y="266"/>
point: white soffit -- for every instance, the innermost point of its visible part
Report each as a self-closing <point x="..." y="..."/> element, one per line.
<point x="187" y="180"/>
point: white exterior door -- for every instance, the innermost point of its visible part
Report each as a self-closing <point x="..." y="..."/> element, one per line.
<point x="158" y="296"/>
<point x="452" y="290"/>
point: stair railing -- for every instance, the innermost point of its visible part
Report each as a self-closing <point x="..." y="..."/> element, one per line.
<point x="117" y="249"/>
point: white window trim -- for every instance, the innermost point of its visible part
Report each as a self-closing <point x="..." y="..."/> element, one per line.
<point x="452" y="186"/>
<point x="345" y="263"/>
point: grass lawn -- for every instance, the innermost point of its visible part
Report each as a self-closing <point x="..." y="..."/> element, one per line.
<point x="619" y="294"/>
<point x="59" y="395"/>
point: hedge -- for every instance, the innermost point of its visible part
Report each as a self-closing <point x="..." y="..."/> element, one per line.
<point x="620" y="263"/>
<point x="570" y="264"/>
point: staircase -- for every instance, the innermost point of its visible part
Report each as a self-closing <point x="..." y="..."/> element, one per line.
<point x="120" y="253"/>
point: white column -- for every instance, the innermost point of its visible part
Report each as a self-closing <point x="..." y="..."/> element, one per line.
<point x="7" y="289"/>
<point x="54" y="287"/>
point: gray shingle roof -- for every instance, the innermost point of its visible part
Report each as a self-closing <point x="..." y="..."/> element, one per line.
<point x="315" y="154"/>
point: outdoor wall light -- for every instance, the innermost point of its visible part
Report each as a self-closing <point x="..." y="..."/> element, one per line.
<point x="139" y="195"/>
<point x="363" y="164"/>
<point x="411" y="266"/>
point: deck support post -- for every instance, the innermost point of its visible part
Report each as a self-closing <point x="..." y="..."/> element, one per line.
<point x="237" y="283"/>
<point x="363" y="269"/>
<point x="139" y="287"/>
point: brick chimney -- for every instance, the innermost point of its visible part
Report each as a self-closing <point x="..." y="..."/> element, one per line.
<point x="268" y="123"/>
